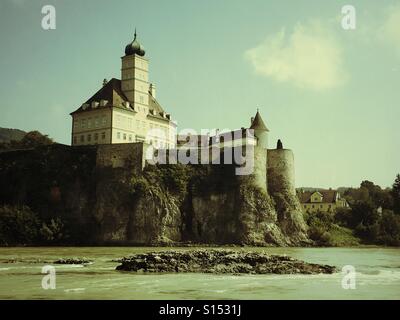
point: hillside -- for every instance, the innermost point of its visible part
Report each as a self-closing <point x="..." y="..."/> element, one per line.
<point x="6" y="135"/>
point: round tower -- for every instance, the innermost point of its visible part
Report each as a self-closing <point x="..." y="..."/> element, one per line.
<point x="260" y="130"/>
<point x="281" y="170"/>
<point x="260" y="151"/>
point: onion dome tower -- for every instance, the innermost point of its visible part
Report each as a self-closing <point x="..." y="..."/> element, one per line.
<point x="134" y="47"/>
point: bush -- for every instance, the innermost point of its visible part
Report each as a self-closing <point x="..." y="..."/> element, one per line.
<point x="18" y="225"/>
<point x="389" y="228"/>
<point x="52" y="231"/>
<point x="319" y="224"/>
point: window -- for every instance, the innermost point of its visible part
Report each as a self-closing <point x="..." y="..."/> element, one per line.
<point x="96" y="136"/>
<point x="124" y="136"/>
<point x="104" y="120"/>
<point x="320" y="206"/>
<point x="130" y="137"/>
<point x="89" y="137"/>
<point x="96" y="122"/>
<point x="75" y="140"/>
<point x="83" y="124"/>
<point x="118" y="135"/>
<point x="82" y="138"/>
<point x="141" y="99"/>
<point x="103" y="136"/>
<point x="89" y="123"/>
<point x="305" y="206"/>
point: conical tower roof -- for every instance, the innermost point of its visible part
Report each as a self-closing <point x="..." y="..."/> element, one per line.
<point x="258" y="123"/>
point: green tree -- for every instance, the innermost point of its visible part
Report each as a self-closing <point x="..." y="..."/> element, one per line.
<point x="389" y="228"/>
<point x="34" y="139"/>
<point x="18" y="225"/>
<point x="396" y="195"/>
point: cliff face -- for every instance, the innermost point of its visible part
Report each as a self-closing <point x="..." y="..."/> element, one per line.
<point x="161" y="205"/>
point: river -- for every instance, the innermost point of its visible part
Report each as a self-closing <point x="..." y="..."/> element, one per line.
<point x="377" y="276"/>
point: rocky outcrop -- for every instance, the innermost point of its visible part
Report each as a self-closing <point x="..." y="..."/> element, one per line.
<point x="219" y="261"/>
<point x="72" y="261"/>
<point x="161" y="205"/>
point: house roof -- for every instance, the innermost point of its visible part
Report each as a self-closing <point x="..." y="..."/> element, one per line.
<point x="115" y="97"/>
<point x="155" y="107"/>
<point x="258" y="123"/>
<point x="328" y="196"/>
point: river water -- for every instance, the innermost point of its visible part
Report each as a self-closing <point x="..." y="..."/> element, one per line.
<point x="377" y="276"/>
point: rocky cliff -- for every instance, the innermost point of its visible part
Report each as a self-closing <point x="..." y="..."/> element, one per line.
<point x="162" y="204"/>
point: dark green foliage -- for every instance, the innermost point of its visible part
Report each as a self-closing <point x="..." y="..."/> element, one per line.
<point x="55" y="181"/>
<point x="372" y="213"/>
<point x="30" y="140"/>
<point x="324" y="230"/>
<point x="389" y="229"/>
<point x="396" y="195"/>
<point x="53" y="231"/>
<point x="319" y="224"/>
<point x="369" y="192"/>
<point x="18" y="225"/>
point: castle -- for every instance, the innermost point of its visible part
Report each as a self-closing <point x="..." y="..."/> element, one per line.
<point x="124" y="118"/>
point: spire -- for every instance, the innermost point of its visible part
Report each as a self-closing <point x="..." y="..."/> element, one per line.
<point x="258" y="123"/>
<point x="134" y="36"/>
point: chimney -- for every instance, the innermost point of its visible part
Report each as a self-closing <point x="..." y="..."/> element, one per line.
<point x="153" y="90"/>
<point x="104" y="82"/>
<point x="251" y="120"/>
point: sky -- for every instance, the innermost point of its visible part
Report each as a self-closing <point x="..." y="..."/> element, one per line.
<point x="331" y="94"/>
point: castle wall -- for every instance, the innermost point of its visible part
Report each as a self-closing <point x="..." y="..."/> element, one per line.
<point x="280" y="167"/>
<point x="260" y="167"/>
<point x="121" y="155"/>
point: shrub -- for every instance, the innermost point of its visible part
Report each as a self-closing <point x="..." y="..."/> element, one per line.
<point x="18" y="225"/>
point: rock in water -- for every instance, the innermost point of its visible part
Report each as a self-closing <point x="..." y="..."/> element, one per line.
<point x="72" y="261"/>
<point x="219" y="261"/>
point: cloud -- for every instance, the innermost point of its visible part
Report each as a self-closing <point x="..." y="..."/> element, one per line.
<point x="310" y="57"/>
<point x="390" y="30"/>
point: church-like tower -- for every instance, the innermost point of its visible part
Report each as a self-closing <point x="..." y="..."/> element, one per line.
<point x="135" y="75"/>
<point x="126" y="110"/>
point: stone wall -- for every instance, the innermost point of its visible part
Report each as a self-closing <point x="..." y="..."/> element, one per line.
<point x="121" y="155"/>
<point x="260" y="167"/>
<point x="280" y="170"/>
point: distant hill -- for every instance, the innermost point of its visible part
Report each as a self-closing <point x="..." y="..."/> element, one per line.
<point x="6" y="135"/>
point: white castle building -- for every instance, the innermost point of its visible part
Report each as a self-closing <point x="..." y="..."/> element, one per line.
<point x="126" y="110"/>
